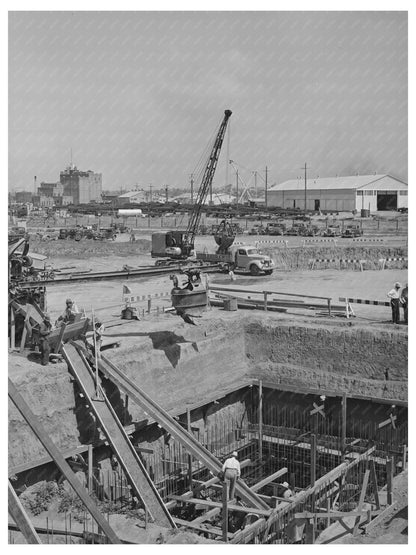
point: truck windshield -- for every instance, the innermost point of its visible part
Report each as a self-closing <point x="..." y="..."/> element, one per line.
<point x="252" y="251"/>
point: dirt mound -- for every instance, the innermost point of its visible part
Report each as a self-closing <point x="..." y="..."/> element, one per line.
<point x="87" y="248"/>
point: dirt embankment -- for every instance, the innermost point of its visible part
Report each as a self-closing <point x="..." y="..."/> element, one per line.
<point x="350" y="358"/>
<point x="177" y="364"/>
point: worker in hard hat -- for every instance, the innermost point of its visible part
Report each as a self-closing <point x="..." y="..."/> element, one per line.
<point x="287" y="492"/>
<point x="68" y="315"/>
<point x="44" y="332"/>
<point x="232" y="471"/>
<point x="394" y="296"/>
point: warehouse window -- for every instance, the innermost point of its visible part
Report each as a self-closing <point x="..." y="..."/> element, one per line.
<point x="359" y="193"/>
<point x="403" y="193"/>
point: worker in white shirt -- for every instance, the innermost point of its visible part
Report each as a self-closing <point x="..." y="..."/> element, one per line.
<point x="232" y="472"/>
<point x="287" y="492"/>
<point x="394" y="296"/>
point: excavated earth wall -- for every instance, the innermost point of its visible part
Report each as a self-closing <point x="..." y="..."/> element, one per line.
<point x="179" y="365"/>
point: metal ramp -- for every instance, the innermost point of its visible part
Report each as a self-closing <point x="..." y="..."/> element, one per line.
<point x="160" y="416"/>
<point x="112" y="428"/>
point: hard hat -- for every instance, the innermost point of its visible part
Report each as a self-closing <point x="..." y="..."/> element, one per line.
<point x="397" y="285"/>
<point x="235" y="454"/>
<point x="68" y="301"/>
<point x="46" y="316"/>
<point x="285" y="485"/>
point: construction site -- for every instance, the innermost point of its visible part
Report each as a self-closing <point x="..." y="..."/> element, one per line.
<point x="280" y="356"/>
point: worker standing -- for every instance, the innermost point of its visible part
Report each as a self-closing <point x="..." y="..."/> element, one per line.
<point x="99" y="332"/>
<point x="232" y="472"/>
<point x="44" y="332"/>
<point x="394" y="296"/>
<point x="404" y="301"/>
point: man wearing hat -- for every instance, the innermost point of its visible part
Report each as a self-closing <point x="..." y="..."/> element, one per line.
<point x="394" y="296"/>
<point x="232" y="472"/>
<point x="44" y="331"/>
<point x="68" y="315"/>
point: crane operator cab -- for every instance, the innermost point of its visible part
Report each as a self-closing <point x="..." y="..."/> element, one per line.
<point x="170" y="244"/>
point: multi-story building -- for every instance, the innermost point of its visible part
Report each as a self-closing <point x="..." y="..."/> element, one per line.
<point x="83" y="187"/>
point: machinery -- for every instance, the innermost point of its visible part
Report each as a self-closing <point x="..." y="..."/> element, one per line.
<point x="180" y="244"/>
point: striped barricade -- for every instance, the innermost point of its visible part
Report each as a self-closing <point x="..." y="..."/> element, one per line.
<point x="348" y="301"/>
<point x="311" y="241"/>
<point x="382" y="261"/>
<point x="272" y="242"/>
<point x="340" y="261"/>
<point x="368" y="240"/>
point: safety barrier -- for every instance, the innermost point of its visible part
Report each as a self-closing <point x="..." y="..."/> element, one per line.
<point x="340" y="261"/>
<point x="272" y="241"/>
<point x="368" y="240"/>
<point x="309" y="241"/>
<point x="349" y="310"/>
<point x="382" y="261"/>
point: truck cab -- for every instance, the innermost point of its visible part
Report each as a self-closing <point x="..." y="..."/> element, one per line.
<point x="248" y="259"/>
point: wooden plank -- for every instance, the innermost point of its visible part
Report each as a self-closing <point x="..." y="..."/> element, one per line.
<point x="231" y="506"/>
<point x="225" y="487"/>
<point x="381" y="516"/>
<point x="375" y="484"/>
<point x="389" y="470"/>
<point x="206" y="516"/>
<point x="12" y="328"/>
<point x="60" y="462"/>
<point x="60" y="337"/>
<point x="336" y="515"/>
<point x="19" y="515"/>
<point x="269" y="479"/>
<point x="195" y="526"/>
<point x="260" y="419"/>
<point x="361" y="500"/>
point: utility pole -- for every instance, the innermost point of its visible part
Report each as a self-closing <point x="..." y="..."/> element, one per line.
<point x="150" y="195"/>
<point x="35" y="185"/>
<point x="265" y="187"/>
<point x="236" y="176"/>
<point x="192" y="188"/>
<point x="305" y="186"/>
<point x="255" y="182"/>
<point x="166" y="193"/>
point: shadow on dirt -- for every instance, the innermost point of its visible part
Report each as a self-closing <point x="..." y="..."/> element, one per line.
<point x="166" y="341"/>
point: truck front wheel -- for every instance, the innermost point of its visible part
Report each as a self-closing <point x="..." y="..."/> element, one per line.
<point x="254" y="270"/>
<point x="268" y="272"/>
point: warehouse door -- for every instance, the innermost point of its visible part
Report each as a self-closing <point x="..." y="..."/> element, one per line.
<point x="317" y="205"/>
<point x="386" y="200"/>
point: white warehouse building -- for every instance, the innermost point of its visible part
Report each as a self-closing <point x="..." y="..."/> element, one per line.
<point x="341" y="194"/>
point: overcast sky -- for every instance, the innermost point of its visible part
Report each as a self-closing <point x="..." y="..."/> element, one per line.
<point x="138" y="95"/>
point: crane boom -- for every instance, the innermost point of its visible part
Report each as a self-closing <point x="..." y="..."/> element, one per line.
<point x="189" y="235"/>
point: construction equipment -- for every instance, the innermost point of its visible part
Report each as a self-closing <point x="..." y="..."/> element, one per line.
<point x="180" y="244"/>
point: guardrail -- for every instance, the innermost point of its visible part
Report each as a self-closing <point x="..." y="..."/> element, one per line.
<point x="267" y="293"/>
<point x="339" y="261"/>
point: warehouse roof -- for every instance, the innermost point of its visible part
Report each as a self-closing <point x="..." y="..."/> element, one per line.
<point x="131" y="194"/>
<point x="346" y="182"/>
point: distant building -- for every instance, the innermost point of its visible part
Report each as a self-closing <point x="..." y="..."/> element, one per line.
<point x="370" y="192"/>
<point x="133" y="197"/>
<point x="23" y="197"/>
<point x="83" y="187"/>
